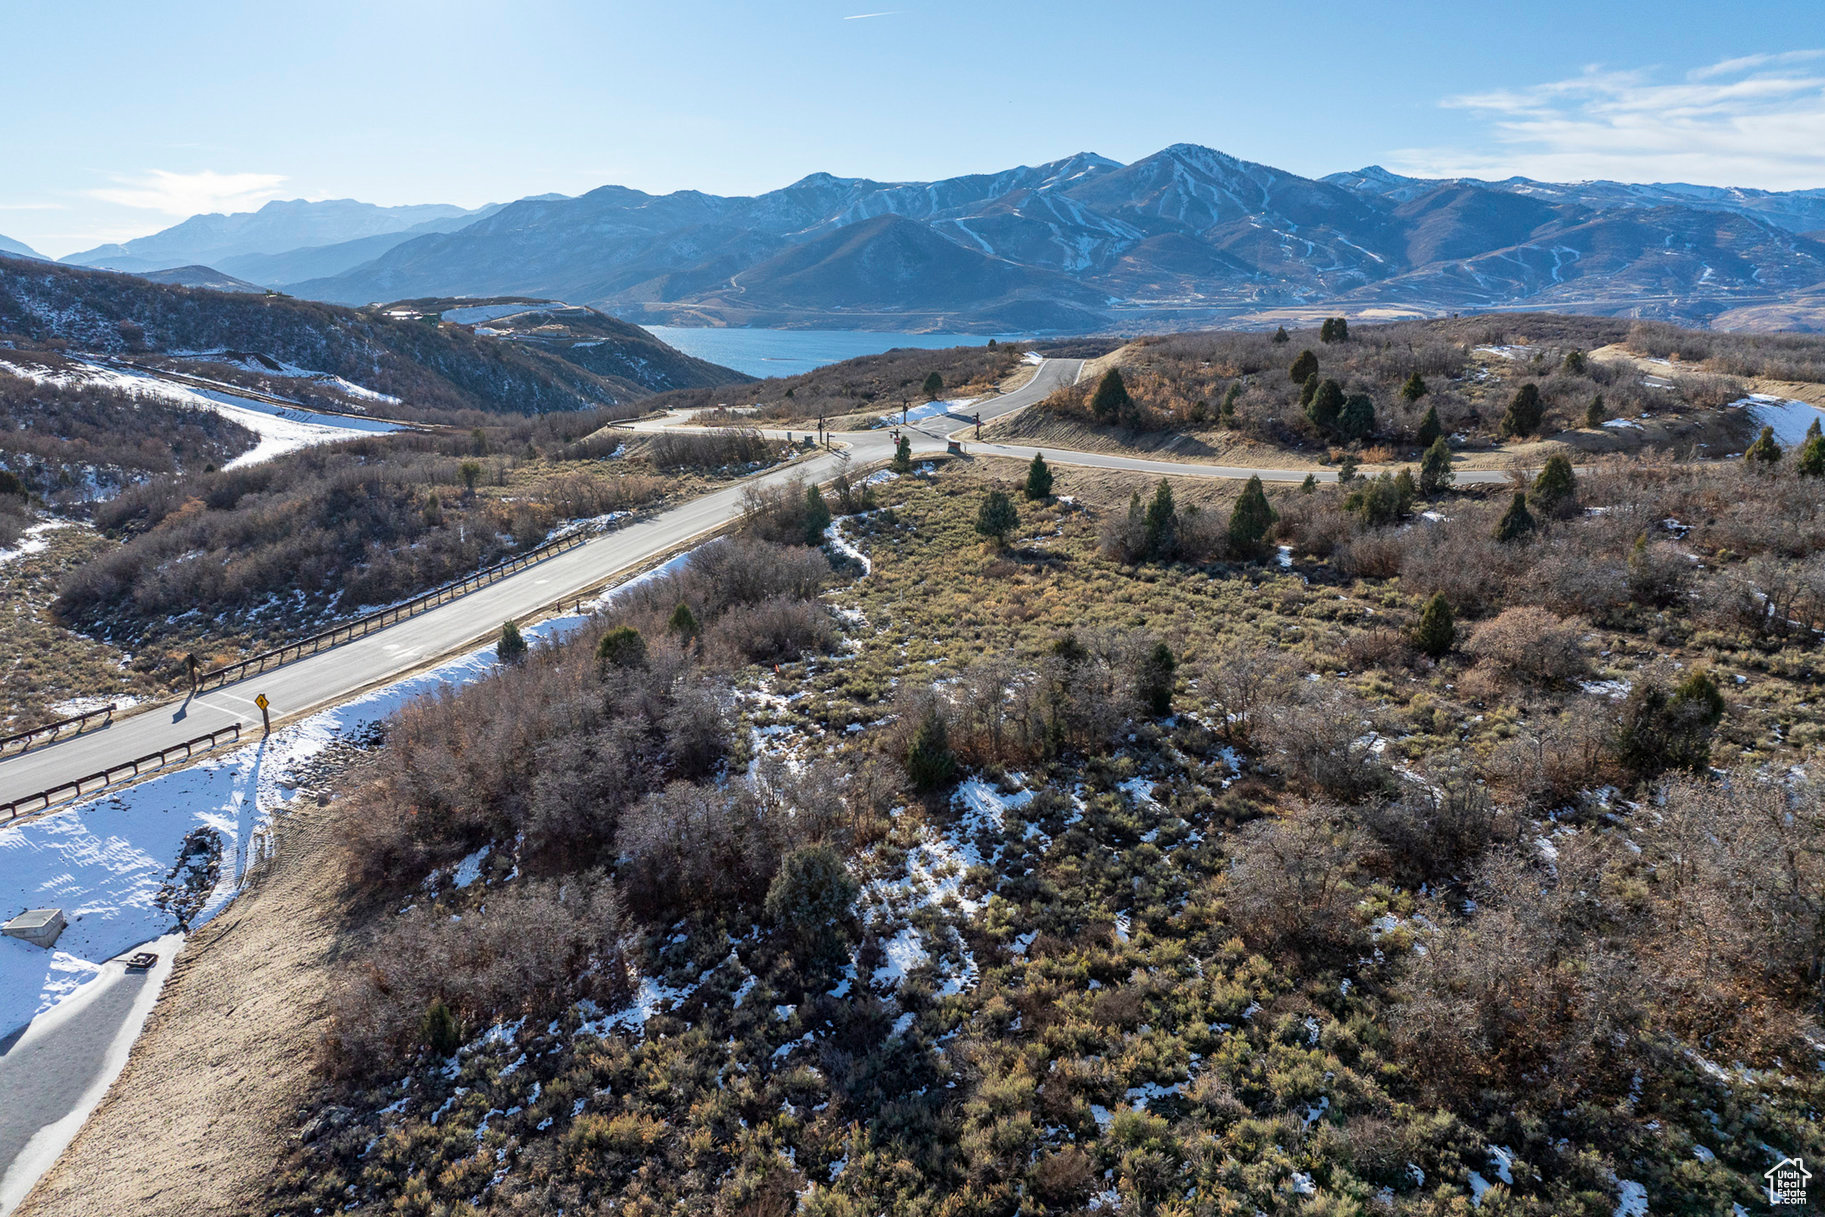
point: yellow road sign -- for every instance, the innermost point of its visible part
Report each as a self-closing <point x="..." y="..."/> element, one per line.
<point x="260" y="701"/>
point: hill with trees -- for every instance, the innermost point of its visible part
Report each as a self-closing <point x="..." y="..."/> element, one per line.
<point x="432" y="367"/>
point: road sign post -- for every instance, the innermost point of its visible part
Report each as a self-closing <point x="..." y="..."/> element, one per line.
<point x="265" y="716"/>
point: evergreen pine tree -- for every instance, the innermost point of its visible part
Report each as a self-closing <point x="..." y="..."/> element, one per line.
<point x="1308" y="390"/>
<point x="1574" y="362"/>
<point x="817" y="515"/>
<point x="1039" y="478"/>
<point x="934" y="385"/>
<point x="1376" y="501"/>
<point x="1310" y="485"/>
<point x="621" y="647"/>
<point x="1594" y="413"/>
<point x="1346" y="469"/>
<point x="1437" y="627"/>
<point x="1765" y="450"/>
<point x="1413" y="388"/>
<point x="1435" y="472"/>
<point x="1659" y="730"/>
<point x="902" y="454"/>
<point x="812" y="901"/>
<point x="1524" y="413"/>
<point x="1110" y="402"/>
<point x="1280" y="335"/>
<point x="1430" y="429"/>
<point x="1811" y="460"/>
<point x="1555" y="491"/>
<point x="512" y="646"/>
<point x="996" y="518"/>
<point x="1326" y="406"/>
<point x="1162" y="523"/>
<point x="1406" y="491"/>
<point x="1154" y="680"/>
<point x="1357" y="419"/>
<point x="929" y="761"/>
<point x="1250" y="520"/>
<point x="1303" y="367"/>
<point x="438" y="1030"/>
<point x="683" y="623"/>
<point x="1517" y="522"/>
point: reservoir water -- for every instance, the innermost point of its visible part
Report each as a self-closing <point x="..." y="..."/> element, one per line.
<point x="790" y="352"/>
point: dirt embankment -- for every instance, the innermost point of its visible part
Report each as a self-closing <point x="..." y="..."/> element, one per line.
<point x="199" y="1118"/>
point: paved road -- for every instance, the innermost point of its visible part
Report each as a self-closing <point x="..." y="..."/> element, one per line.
<point x="334" y="675"/>
<point x="54" y="1072"/>
<point x="331" y="676"/>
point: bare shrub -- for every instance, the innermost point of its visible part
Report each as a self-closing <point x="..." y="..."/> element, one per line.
<point x="1324" y="737"/>
<point x="1242" y="686"/>
<point x="1378" y="648"/>
<point x="693" y="848"/>
<point x="1530" y="645"/>
<point x="1551" y="763"/>
<point x="1289" y="881"/>
<point x="716" y="448"/>
<point x="1530" y="992"/>
<point x="529" y="951"/>
<point x="1438" y="828"/>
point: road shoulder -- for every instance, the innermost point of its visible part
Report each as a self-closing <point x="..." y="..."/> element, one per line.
<point x="199" y="1117"/>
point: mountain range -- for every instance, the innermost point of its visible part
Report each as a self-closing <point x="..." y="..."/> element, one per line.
<point x="283" y="241"/>
<point x="17" y="249"/>
<point x="1186" y="236"/>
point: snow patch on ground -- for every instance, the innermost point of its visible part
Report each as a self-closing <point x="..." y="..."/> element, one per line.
<point x="1789" y="418"/>
<point x="103" y="860"/>
<point x="833" y="536"/>
<point x="85" y="705"/>
<point x="31" y="541"/>
<point x="281" y="429"/>
<point x="1634" y="1199"/>
<point x="931" y="409"/>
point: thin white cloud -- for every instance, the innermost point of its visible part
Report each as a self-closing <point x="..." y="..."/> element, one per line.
<point x="1757" y="120"/>
<point x="866" y="16"/>
<point x="188" y="194"/>
<point x="1746" y="62"/>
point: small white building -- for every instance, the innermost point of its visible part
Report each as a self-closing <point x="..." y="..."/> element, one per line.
<point x="40" y="927"/>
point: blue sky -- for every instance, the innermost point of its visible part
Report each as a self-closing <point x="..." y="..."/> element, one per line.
<point x="117" y="120"/>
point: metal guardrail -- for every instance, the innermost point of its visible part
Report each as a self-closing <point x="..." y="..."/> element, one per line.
<point x="24" y="738"/>
<point x="215" y="678"/>
<point x="114" y="773"/>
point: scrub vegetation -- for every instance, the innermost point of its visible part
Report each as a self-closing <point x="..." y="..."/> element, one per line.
<point x="1347" y="860"/>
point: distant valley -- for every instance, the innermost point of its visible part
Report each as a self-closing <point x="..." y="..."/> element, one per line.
<point x="1188" y="236"/>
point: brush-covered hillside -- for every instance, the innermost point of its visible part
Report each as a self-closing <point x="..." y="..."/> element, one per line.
<point x="430" y="366"/>
<point x="1491" y="389"/>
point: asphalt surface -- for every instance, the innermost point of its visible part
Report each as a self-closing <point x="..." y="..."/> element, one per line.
<point x="334" y="675"/>
<point x="53" y="1073"/>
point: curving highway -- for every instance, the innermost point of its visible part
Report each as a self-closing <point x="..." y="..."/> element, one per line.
<point x="335" y="675"/>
